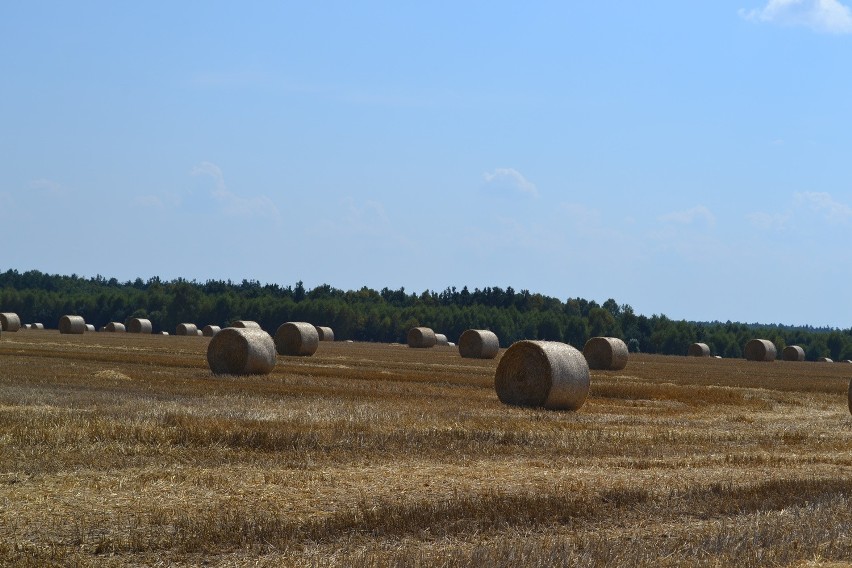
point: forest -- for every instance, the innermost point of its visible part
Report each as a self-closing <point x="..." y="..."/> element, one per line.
<point x="386" y="315"/>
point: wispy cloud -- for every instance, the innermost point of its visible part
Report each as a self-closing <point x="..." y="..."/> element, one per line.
<point x="690" y="216"/>
<point x="826" y="205"/>
<point x="47" y="186"/>
<point x="509" y="180"/>
<point x="367" y="219"/>
<point x="233" y="204"/>
<point x="768" y="221"/>
<point x="824" y="16"/>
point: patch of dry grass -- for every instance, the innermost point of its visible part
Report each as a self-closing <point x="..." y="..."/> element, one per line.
<point x="124" y="450"/>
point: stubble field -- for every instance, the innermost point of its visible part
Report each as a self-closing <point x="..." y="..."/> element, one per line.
<point x="121" y="450"/>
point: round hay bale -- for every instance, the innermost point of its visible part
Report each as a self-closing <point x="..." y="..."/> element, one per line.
<point x="199" y="333"/>
<point x="441" y="340"/>
<point x="542" y="373"/>
<point x="186" y="329"/>
<point x="296" y="338"/>
<point x="421" y="337"/>
<point x="210" y="330"/>
<point x="760" y="350"/>
<point x="37" y="326"/>
<point x="115" y="327"/>
<point x="325" y="333"/>
<point x="793" y="353"/>
<point x="241" y="351"/>
<point x="139" y="325"/>
<point x="245" y="324"/>
<point x="25" y="327"/>
<point x="606" y="353"/>
<point x="850" y="396"/>
<point x="479" y="344"/>
<point x="825" y="360"/>
<point x="699" y="350"/>
<point x="10" y="322"/>
<point x="90" y="327"/>
<point x="164" y="333"/>
<point x="72" y="324"/>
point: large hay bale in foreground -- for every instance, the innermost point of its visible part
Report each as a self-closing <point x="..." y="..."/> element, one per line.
<point x="606" y="353"/>
<point x="139" y="325"/>
<point x="245" y="324"/>
<point x="186" y="329"/>
<point x="325" y="333"/>
<point x="479" y="344"/>
<point x="296" y="338"/>
<point x="542" y="373"/>
<point x="793" y="353"/>
<point x="72" y="324"/>
<point x="241" y="351"/>
<point x="698" y="350"/>
<point x="441" y="340"/>
<point x="421" y="337"/>
<point x="10" y="321"/>
<point x="760" y="350"/>
<point x="115" y="327"/>
<point x="210" y="330"/>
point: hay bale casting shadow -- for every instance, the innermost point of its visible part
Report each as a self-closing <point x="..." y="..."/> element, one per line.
<point x="479" y="344"/>
<point x="72" y="324"/>
<point x="241" y="351"/>
<point x="296" y="338"/>
<point x="606" y="353"/>
<point x="421" y="337"/>
<point x="760" y="350"/>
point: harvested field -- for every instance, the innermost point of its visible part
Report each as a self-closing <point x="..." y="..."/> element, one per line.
<point x="124" y="449"/>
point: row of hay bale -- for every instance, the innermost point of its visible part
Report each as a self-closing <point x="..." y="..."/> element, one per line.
<point x="759" y="350"/>
<point x="248" y="350"/>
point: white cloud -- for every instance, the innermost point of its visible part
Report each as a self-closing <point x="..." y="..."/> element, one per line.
<point x="824" y="203"/>
<point x="47" y="186"/>
<point x="827" y="16"/>
<point x="232" y="204"/>
<point x="768" y="221"/>
<point x="509" y="179"/>
<point x="369" y="218"/>
<point x="690" y="216"/>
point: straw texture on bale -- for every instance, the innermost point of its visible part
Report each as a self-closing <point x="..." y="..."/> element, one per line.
<point x="296" y="338"/>
<point x="325" y="333"/>
<point x="421" y="337"/>
<point x="479" y="344"/>
<point x="186" y="329"/>
<point x="115" y="327"/>
<point x="793" y="353"/>
<point x="241" y="351"/>
<point x="542" y="373"/>
<point x="210" y="330"/>
<point x="37" y="326"/>
<point x="606" y="353"/>
<point x="441" y="340"/>
<point x="72" y="324"/>
<point x="825" y="360"/>
<point x="10" y="321"/>
<point x="760" y="350"/>
<point x="139" y="325"/>
<point x="699" y="350"/>
<point x="90" y="327"/>
<point x="245" y="324"/>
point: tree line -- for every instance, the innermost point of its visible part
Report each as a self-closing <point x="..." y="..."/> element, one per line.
<point x="387" y="315"/>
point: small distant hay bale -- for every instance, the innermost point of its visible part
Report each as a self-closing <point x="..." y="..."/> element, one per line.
<point x="793" y="353"/>
<point x="199" y="333"/>
<point x="241" y="351"/>
<point x="245" y="324"/>
<point x="606" y="353"/>
<point x="164" y="333"/>
<point x="421" y="337"/>
<point x="479" y="344"/>
<point x="72" y="324"/>
<point x="10" y="322"/>
<point x="441" y="340"/>
<point x="349" y="341"/>
<point x="849" y="396"/>
<point x="139" y="325"/>
<point x="325" y="333"/>
<point x="90" y="327"/>
<point x="115" y="327"/>
<point x="717" y="356"/>
<point x="25" y="326"/>
<point x="699" y="350"/>
<point x="825" y="360"/>
<point x="760" y="350"/>
<point x="545" y="374"/>
<point x="37" y="326"/>
<point x="210" y="330"/>
<point x="296" y="338"/>
<point x="186" y="329"/>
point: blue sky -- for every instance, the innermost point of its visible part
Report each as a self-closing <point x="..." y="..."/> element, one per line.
<point x="690" y="159"/>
